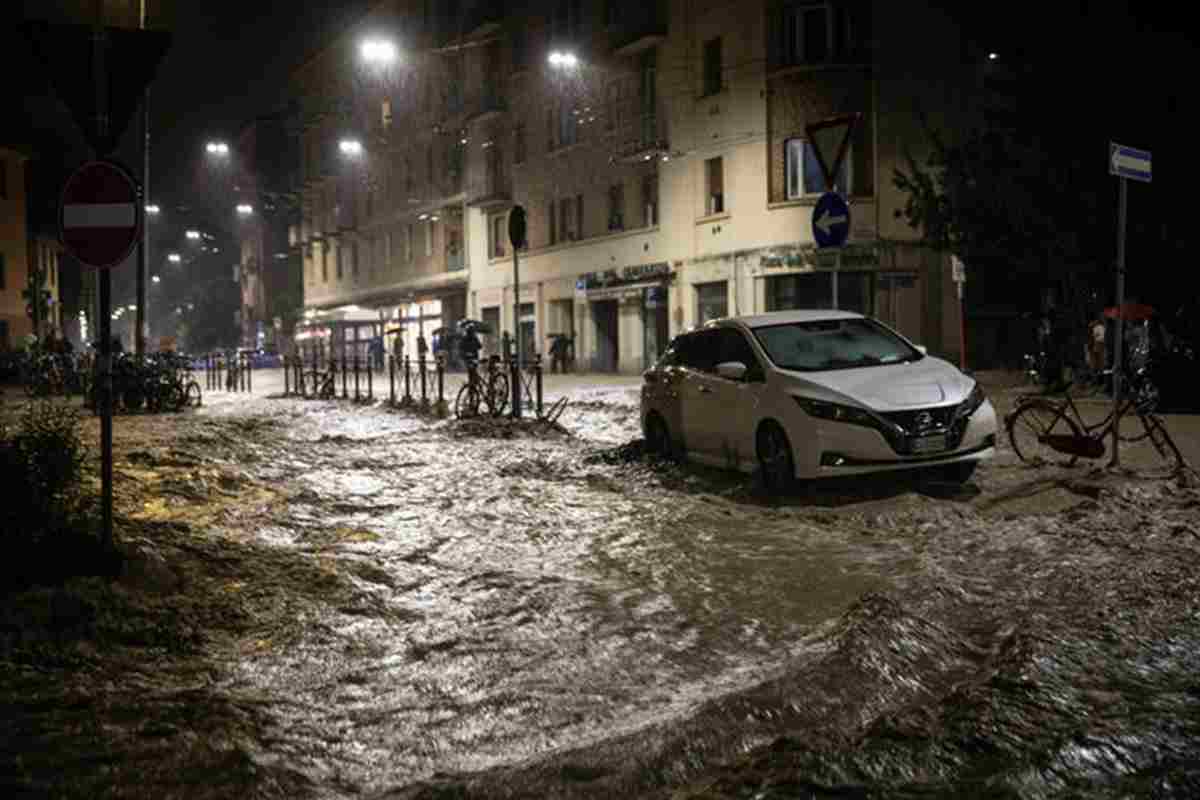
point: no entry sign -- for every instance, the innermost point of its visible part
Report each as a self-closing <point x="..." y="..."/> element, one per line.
<point x="100" y="216"/>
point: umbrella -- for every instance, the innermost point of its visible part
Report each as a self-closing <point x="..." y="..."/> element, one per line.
<point x="1131" y="312"/>
<point x="475" y="325"/>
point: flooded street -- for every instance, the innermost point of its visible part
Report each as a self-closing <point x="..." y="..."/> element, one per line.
<point x="338" y="600"/>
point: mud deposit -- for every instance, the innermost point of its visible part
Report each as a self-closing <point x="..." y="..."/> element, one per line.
<point x="324" y="600"/>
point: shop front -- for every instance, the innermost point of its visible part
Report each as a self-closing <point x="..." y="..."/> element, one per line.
<point x="629" y="314"/>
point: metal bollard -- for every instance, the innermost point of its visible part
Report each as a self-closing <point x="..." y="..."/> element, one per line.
<point x="537" y="376"/>
<point x="441" y="383"/>
<point x="370" y="380"/>
<point x="357" y="397"/>
<point x="345" y="390"/>
<point x="249" y="374"/>
<point x="286" y="385"/>
<point x="407" y="380"/>
<point x="392" y="379"/>
<point x="424" y="393"/>
<point x="514" y="374"/>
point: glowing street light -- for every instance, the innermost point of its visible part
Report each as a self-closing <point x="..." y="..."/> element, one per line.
<point x="217" y="148"/>
<point x="193" y="235"/>
<point x="156" y="279"/>
<point x="350" y="147"/>
<point x="379" y="51"/>
<point x="245" y="209"/>
<point x="153" y="210"/>
<point x="563" y="60"/>
<point x="174" y="258"/>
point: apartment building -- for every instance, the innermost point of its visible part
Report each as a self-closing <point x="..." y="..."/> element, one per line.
<point x="658" y="149"/>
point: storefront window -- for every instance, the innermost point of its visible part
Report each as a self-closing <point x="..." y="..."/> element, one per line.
<point x="815" y="290"/>
<point x="712" y="301"/>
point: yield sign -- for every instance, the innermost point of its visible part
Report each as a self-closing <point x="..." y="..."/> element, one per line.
<point x="99" y="215"/>
<point x="830" y="140"/>
<point x="130" y="57"/>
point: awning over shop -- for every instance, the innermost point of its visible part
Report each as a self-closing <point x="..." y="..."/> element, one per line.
<point x="401" y="292"/>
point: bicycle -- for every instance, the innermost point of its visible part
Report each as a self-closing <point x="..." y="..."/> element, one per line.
<point x="489" y="390"/>
<point x="325" y="383"/>
<point x="1046" y="431"/>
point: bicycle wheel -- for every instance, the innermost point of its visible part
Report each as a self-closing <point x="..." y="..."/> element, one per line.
<point x="466" y="405"/>
<point x="1028" y="426"/>
<point x="1156" y="431"/>
<point x="497" y="394"/>
<point x="191" y="394"/>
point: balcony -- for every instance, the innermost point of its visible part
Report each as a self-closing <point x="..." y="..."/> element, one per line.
<point x="493" y="189"/>
<point x="641" y="137"/>
<point x="642" y="26"/>
<point x="486" y="104"/>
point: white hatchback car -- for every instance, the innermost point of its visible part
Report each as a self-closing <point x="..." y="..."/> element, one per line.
<point x="811" y="394"/>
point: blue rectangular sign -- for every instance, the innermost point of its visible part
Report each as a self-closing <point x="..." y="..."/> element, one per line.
<point x="1128" y="162"/>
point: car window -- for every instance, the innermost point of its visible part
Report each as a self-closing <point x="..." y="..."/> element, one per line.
<point x="699" y="350"/>
<point x="732" y="345"/>
<point x="833" y="344"/>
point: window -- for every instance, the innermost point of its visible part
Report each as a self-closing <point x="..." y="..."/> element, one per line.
<point x="324" y="263"/>
<point x="519" y="152"/>
<point x="803" y="171"/>
<point x="712" y="301"/>
<point x="408" y="243"/>
<point x="408" y="178"/>
<point x="389" y="248"/>
<point x="697" y="350"/>
<point x="553" y="224"/>
<point x="564" y="219"/>
<point x="568" y="128"/>
<point x="612" y="105"/>
<point x="616" y="207"/>
<point x="338" y="257"/>
<point x="815" y="290"/>
<point x="428" y="239"/>
<point x="732" y="345"/>
<point x="579" y="216"/>
<point x="815" y="33"/>
<point x="649" y="200"/>
<point x="519" y="49"/>
<point x="712" y="66"/>
<point x="714" y="186"/>
<point x="354" y="259"/>
<point x="498" y="236"/>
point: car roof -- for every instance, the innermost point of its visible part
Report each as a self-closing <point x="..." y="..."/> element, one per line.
<point x="785" y="317"/>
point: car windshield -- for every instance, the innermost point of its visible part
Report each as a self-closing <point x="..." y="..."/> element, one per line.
<point x="833" y="344"/>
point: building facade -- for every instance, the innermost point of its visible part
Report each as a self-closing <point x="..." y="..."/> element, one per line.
<point x="24" y="252"/>
<point x="659" y="149"/>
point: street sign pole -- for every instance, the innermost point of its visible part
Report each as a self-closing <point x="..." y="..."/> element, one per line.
<point x="516" y="237"/>
<point x="1126" y="163"/>
<point x="1119" y="345"/>
<point x="837" y="268"/>
<point x="107" y="542"/>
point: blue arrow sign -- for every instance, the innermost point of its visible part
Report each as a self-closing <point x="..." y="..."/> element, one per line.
<point x="831" y="220"/>
<point x="1128" y="162"/>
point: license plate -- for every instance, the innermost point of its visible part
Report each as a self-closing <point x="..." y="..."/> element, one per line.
<point x="923" y="445"/>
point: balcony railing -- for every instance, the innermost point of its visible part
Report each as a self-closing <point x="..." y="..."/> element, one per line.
<point x="640" y="136"/>
<point x="642" y="25"/>
<point x="486" y="103"/>
<point x="490" y="189"/>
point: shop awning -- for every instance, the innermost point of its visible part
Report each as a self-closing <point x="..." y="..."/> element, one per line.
<point x="629" y="290"/>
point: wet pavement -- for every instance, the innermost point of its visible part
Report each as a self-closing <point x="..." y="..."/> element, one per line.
<point x="337" y="600"/>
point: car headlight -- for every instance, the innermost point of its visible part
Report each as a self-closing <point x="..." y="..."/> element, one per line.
<point x="969" y="406"/>
<point x="836" y="412"/>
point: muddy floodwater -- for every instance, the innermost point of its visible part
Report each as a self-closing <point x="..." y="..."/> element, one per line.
<point x="332" y="600"/>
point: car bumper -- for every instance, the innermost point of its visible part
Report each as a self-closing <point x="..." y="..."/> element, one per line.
<point x="840" y="449"/>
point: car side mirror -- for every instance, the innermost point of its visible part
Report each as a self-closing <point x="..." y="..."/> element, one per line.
<point x="733" y="370"/>
<point x="922" y="349"/>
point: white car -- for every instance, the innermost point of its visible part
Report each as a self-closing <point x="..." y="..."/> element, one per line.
<point x="811" y="394"/>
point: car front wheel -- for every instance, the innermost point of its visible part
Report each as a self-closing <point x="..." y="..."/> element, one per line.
<point x="775" y="460"/>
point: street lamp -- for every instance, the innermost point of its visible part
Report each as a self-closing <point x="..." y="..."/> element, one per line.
<point x="217" y="148"/>
<point x="379" y="51"/>
<point x="350" y="147"/>
<point x="193" y="235"/>
<point x="174" y="258"/>
<point x="245" y="209"/>
<point x="564" y="60"/>
<point x="156" y="279"/>
<point x="153" y="210"/>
